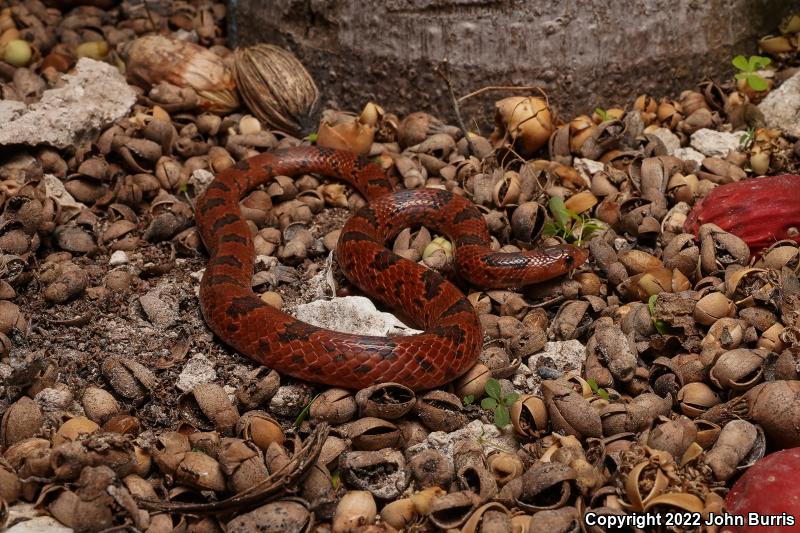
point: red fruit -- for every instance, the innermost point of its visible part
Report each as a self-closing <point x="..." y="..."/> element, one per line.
<point x="760" y="211"/>
<point x="769" y="488"/>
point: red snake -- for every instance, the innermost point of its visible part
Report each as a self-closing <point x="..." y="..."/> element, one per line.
<point x="452" y="339"/>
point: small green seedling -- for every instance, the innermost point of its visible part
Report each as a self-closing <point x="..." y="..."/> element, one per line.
<point x="747" y="139"/>
<point x="569" y="225"/>
<point x="597" y="389"/>
<point x="304" y="413"/>
<point x="468" y="399"/>
<point x="661" y="326"/>
<point x="602" y="113"/>
<point x="499" y="403"/>
<point x="747" y="70"/>
<point x="312" y="137"/>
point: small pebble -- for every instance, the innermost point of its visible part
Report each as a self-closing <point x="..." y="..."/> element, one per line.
<point x="118" y="258"/>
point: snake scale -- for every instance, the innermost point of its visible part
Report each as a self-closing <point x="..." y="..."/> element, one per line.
<point x="452" y="337"/>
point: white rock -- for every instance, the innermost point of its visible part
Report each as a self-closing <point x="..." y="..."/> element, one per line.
<point x="93" y="97"/>
<point x="563" y="356"/>
<point x="714" y="143"/>
<point x="27" y="519"/>
<point x="689" y="154"/>
<point x="118" y="258"/>
<point x="489" y="436"/>
<point x="197" y="370"/>
<point x="671" y="141"/>
<point x="351" y="314"/>
<point x="781" y="107"/>
<point x="54" y="188"/>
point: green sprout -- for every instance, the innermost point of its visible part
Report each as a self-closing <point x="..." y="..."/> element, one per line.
<point x="499" y="403"/>
<point x="597" y="389"/>
<point x="747" y="139"/>
<point x="747" y="70"/>
<point x="602" y="113"/>
<point x="312" y="137"/>
<point x="304" y="413"/>
<point x="661" y="326"/>
<point x="468" y="399"/>
<point x="569" y="225"/>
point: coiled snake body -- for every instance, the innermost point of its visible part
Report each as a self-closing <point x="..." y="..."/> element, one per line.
<point x="452" y="338"/>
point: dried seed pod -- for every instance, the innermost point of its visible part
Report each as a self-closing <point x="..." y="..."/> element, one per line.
<point x="22" y="420"/>
<point x="504" y="466"/>
<point x="284" y="515"/>
<point x="529" y="416"/>
<point x="522" y="121"/>
<point x="488" y="518"/>
<point x="473" y="383"/>
<point x="712" y="307"/>
<point x="386" y="400"/>
<point x="153" y="59"/>
<point x="544" y="486"/>
<point x="634" y="416"/>
<point x="772" y="406"/>
<point x="346" y="131"/>
<point x="258" y="387"/>
<point x="695" y="398"/>
<point x="569" y="411"/>
<point x="207" y="407"/>
<point x="733" y="445"/>
<point x="614" y="349"/>
<point x="99" y="405"/>
<point x="673" y="436"/>
<point x="356" y="508"/>
<point x="430" y="468"/>
<point x="335" y="406"/>
<point x="440" y="411"/>
<point x="739" y="369"/>
<point x="371" y="434"/>
<point x="382" y="472"/>
<point x="400" y="513"/>
<point x="129" y="379"/>
<point x="718" y="249"/>
<point x="169" y="450"/>
<point x="259" y="427"/>
<point x="416" y="127"/>
<point x="453" y="509"/>
<point x="470" y="469"/>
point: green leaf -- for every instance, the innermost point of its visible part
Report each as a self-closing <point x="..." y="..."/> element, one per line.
<point x="741" y="75"/>
<point x="493" y="388"/>
<point x="468" y="399"/>
<point x="549" y="229"/>
<point x="741" y="63"/>
<point x="602" y="113"/>
<point x="592" y="384"/>
<point x="602" y="393"/>
<point x="335" y="478"/>
<point x="510" y="399"/>
<point x="651" y="304"/>
<point x="488" y="403"/>
<point x="312" y="137"/>
<point x="757" y="82"/>
<point x="304" y="413"/>
<point x="759" y="62"/>
<point x="559" y="210"/>
<point x="502" y="418"/>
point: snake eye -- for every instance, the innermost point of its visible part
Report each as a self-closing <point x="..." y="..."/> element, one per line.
<point x="569" y="260"/>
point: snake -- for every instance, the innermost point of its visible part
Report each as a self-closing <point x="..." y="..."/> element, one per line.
<point x="451" y="337"/>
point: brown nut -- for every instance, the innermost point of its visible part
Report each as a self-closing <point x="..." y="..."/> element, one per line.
<point x="335" y="406"/>
<point x="712" y="307"/>
<point x="22" y="420"/>
<point x="430" y="468"/>
<point x="529" y="416"/>
<point x="259" y="386"/>
<point x="695" y="398"/>
<point x="381" y="472"/>
<point x="371" y="434"/>
<point x="208" y="407"/>
<point x="260" y="428"/>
